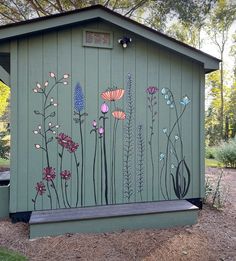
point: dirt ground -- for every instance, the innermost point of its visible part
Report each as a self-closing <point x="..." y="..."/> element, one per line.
<point x="213" y="238"/>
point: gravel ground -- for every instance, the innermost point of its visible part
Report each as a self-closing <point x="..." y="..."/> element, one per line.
<point x="213" y="238"/>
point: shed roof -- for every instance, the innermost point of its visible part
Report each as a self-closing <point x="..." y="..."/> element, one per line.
<point x="15" y="30"/>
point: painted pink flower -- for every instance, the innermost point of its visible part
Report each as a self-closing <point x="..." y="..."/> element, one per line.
<point x="40" y="188"/>
<point x="104" y="108"/>
<point x="72" y="146"/>
<point x="101" y="130"/>
<point x="152" y="90"/>
<point x="94" y="123"/>
<point x="65" y="174"/>
<point x="64" y="140"/>
<point x="49" y="173"/>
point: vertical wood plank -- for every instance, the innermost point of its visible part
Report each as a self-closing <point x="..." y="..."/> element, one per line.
<point x="65" y="111"/>
<point x="187" y="119"/>
<point x="164" y="121"/>
<point x="14" y="126"/>
<point x="22" y="129"/>
<point x="202" y="132"/>
<point x="35" y="160"/>
<point x="196" y="132"/>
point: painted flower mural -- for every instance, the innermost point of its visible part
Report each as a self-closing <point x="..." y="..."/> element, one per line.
<point x="151" y="98"/>
<point x="46" y="132"/>
<point x="181" y="177"/>
<point x="122" y="165"/>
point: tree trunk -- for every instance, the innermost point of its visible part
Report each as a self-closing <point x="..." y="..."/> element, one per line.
<point x="222" y="96"/>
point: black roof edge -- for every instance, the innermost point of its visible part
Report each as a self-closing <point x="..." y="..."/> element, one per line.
<point x="98" y="6"/>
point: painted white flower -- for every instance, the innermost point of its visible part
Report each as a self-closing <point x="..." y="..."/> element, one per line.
<point x="55" y="104"/>
<point x="164" y="130"/>
<point x="166" y="97"/>
<point x="168" y="102"/>
<point x="162" y="156"/>
<point x="65" y="83"/>
<point x="38" y="85"/>
<point x="172" y="106"/>
<point x="37" y="146"/>
<point x="54" y="132"/>
<point x="163" y="91"/>
<point x="46" y="84"/>
<point x="57" y="126"/>
<point x="49" y="124"/>
<point x="35" y="132"/>
<point x="66" y="76"/>
<point x="39" y="127"/>
<point x="172" y="166"/>
<point x="35" y="90"/>
<point x="52" y="74"/>
<point x="176" y="137"/>
<point x="51" y="100"/>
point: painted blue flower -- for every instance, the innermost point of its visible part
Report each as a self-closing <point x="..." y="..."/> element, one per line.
<point x="162" y="156"/>
<point x="165" y="130"/>
<point x="185" y="101"/>
<point x="78" y="98"/>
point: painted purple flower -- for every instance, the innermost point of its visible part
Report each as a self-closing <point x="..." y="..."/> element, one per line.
<point x="63" y="140"/>
<point x="65" y="174"/>
<point x="40" y="188"/>
<point x="49" y="173"/>
<point x="152" y="90"/>
<point x="94" y="123"/>
<point x="101" y="130"/>
<point x="79" y="102"/>
<point x="72" y="146"/>
<point x="104" y="108"/>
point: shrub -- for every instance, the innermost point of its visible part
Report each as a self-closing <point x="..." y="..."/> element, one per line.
<point x="4" y="146"/>
<point x="216" y="192"/>
<point x="210" y="152"/>
<point x="226" y="153"/>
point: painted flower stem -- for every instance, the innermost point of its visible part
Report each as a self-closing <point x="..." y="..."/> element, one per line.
<point x="94" y="164"/>
<point x="113" y="166"/>
<point x="150" y="141"/>
<point x="82" y="160"/>
<point x="101" y="152"/>
<point x="105" y="158"/>
<point x="35" y="199"/>
<point x="57" y="196"/>
<point x="62" y="190"/>
<point x="77" y="183"/>
<point x="67" y="200"/>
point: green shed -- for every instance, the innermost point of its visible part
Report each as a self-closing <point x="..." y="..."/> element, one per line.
<point x="107" y="123"/>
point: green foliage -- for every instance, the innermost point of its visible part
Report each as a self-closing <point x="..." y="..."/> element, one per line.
<point x="213" y="163"/>
<point x="226" y="153"/>
<point x="4" y="98"/>
<point x="4" y="146"/>
<point x="210" y="152"/>
<point x="213" y="114"/>
<point x="8" y="255"/>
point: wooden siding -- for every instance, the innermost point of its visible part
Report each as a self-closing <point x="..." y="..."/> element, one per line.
<point x="97" y="69"/>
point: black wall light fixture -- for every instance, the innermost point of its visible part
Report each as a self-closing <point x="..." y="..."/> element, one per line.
<point x="125" y="41"/>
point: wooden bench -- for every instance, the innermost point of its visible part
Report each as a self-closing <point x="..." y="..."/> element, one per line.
<point x="113" y="217"/>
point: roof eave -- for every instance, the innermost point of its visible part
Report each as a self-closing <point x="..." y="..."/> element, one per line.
<point x="41" y="24"/>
